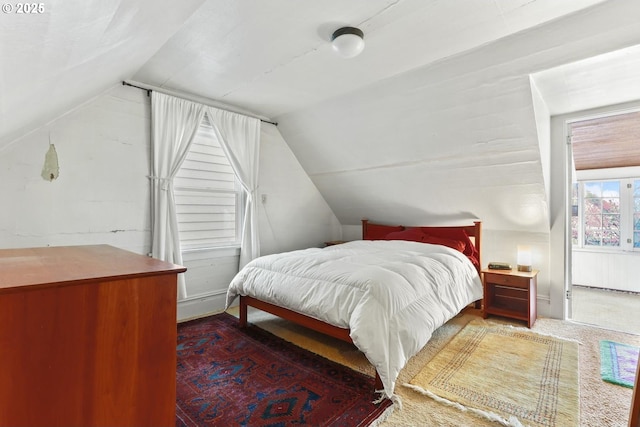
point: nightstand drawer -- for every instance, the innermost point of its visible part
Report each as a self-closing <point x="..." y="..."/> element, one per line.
<point x="510" y="292"/>
<point x="506" y="280"/>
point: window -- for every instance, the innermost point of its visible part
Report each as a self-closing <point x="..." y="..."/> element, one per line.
<point x="601" y="201"/>
<point x="606" y="214"/>
<point x="209" y="198"/>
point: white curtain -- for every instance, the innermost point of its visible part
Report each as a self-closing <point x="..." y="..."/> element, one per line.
<point x="174" y="124"/>
<point x="239" y="136"/>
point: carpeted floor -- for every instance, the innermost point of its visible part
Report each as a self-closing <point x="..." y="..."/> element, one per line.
<point x="601" y="404"/>
<point x="606" y="308"/>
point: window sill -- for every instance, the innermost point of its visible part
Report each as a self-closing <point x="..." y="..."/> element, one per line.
<point x="608" y="251"/>
<point x="206" y="253"/>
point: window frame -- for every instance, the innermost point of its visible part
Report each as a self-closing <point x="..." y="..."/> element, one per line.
<point x="627" y="177"/>
<point x="205" y="130"/>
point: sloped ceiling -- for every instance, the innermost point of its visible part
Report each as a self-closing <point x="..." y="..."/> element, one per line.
<point x="51" y="62"/>
<point x="456" y="138"/>
<point x="606" y="79"/>
<point x="275" y="57"/>
<point x="434" y="120"/>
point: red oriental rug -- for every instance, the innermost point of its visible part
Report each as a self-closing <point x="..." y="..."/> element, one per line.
<point x="229" y="376"/>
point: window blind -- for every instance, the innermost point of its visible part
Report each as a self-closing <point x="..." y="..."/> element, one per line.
<point x="606" y="142"/>
<point x="208" y="196"/>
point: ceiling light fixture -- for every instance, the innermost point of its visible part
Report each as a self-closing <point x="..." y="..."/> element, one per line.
<point x="348" y="41"/>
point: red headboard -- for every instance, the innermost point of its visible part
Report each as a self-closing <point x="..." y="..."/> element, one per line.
<point x="372" y="231"/>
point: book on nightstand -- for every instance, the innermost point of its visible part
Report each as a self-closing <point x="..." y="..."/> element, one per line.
<point x="499" y="266"/>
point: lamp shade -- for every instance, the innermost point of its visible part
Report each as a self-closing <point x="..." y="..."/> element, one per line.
<point x="348" y="42"/>
<point x="524" y="258"/>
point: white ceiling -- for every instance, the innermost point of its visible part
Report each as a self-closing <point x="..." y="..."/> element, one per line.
<point x="54" y="61"/>
<point x="280" y="50"/>
<point x="425" y="123"/>
<point x="268" y="56"/>
<point x="606" y="79"/>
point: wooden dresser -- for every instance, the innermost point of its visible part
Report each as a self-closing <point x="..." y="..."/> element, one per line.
<point x="87" y="337"/>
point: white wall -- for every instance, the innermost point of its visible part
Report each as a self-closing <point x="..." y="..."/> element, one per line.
<point x="543" y="126"/>
<point x="606" y="270"/>
<point x="293" y="214"/>
<point x="102" y="193"/>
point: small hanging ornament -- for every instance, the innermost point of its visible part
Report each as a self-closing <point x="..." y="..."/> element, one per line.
<point x="50" y="170"/>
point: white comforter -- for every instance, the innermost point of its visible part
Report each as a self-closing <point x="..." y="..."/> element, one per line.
<point x="392" y="295"/>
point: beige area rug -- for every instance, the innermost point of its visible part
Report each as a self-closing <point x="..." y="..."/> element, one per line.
<point x="601" y="404"/>
<point x="510" y="375"/>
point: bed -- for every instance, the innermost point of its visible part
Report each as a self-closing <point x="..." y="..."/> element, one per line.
<point x="386" y="293"/>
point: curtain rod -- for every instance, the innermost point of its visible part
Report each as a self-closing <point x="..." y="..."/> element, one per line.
<point x="149" y="90"/>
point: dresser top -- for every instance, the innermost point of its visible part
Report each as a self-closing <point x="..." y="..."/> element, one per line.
<point x="75" y="264"/>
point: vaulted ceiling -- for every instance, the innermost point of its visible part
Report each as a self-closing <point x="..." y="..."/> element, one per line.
<point x="437" y="118"/>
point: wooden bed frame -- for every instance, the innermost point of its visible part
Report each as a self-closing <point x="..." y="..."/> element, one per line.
<point x="473" y="231"/>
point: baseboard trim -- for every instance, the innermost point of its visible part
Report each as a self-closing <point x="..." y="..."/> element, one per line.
<point x="200" y="307"/>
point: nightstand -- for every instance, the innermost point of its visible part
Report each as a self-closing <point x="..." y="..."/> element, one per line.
<point x="510" y="293"/>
